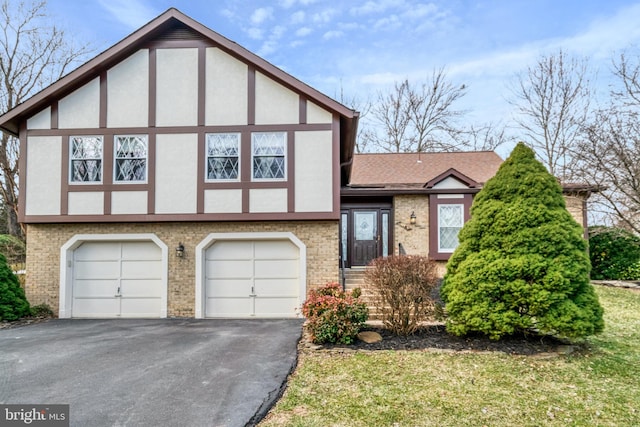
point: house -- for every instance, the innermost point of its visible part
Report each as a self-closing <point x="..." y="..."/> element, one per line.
<point x="178" y="174"/>
<point x="416" y="203"/>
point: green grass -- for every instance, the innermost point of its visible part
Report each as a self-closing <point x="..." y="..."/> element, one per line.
<point x="599" y="386"/>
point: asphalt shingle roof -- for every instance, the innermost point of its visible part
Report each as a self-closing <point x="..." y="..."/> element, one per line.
<point x="394" y="170"/>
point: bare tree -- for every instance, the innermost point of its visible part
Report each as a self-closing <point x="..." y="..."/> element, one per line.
<point x="485" y="137"/>
<point x="33" y="53"/>
<point x="363" y="107"/>
<point x="416" y="118"/>
<point x="608" y="156"/>
<point x="552" y="100"/>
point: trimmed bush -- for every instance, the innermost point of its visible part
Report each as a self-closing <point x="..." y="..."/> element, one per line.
<point x="615" y="254"/>
<point x="333" y="315"/>
<point x="13" y="303"/>
<point x="404" y="287"/>
<point x="521" y="265"/>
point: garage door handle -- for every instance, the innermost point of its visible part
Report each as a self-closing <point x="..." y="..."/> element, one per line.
<point x="118" y="294"/>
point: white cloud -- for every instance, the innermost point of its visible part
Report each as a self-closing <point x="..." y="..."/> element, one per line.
<point x="298" y="17"/>
<point x="333" y="34"/>
<point x="255" y="33"/>
<point x="376" y="7"/>
<point x="131" y="13"/>
<point x="286" y="4"/>
<point x="324" y="16"/>
<point x="260" y="15"/>
<point x="304" y="31"/>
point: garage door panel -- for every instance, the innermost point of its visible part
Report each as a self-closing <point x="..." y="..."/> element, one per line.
<point x="141" y="251"/>
<point x="141" y="269"/>
<point x="229" y="250"/>
<point x="138" y="288"/>
<point x="229" y="288"/>
<point x="97" y="250"/>
<point x="252" y="278"/>
<point x="281" y="248"/>
<point x="274" y="269"/>
<point x="85" y="270"/>
<point x="140" y="307"/>
<point x="276" y="307"/>
<point x="102" y="268"/>
<point x="230" y="269"/>
<point x="96" y="307"/>
<point x="95" y="288"/>
<point x="277" y="288"/>
<point x="229" y="307"/>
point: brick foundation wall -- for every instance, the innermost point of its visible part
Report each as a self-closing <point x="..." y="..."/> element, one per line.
<point x="45" y="240"/>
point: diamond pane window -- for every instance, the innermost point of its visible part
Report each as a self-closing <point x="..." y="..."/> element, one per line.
<point x="131" y="158"/>
<point x="86" y="159"/>
<point x="223" y="150"/>
<point x="450" y="221"/>
<point x="269" y="154"/>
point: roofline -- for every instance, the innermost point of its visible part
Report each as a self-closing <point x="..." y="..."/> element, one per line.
<point x="128" y="43"/>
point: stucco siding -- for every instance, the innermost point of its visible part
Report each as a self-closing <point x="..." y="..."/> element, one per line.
<point x="226" y="89"/>
<point x="43" y="175"/>
<point x="275" y="104"/>
<point x="268" y="200"/>
<point x="223" y="201"/>
<point x="176" y="173"/>
<point x="129" y="202"/>
<point x="86" y="203"/>
<point x="314" y="172"/>
<point x="42" y="120"/>
<point x="177" y="87"/>
<point x="316" y="114"/>
<point x="81" y="108"/>
<point x="128" y="91"/>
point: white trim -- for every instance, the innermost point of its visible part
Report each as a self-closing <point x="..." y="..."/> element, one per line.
<point x="440" y="206"/>
<point x="66" y="266"/>
<point x="214" y="237"/>
<point x="206" y="156"/>
<point x="115" y="158"/>
<point x="71" y="159"/>
<point x="285" y="137"/>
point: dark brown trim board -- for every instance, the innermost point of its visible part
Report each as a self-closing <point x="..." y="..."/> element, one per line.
<point x="291" y="178"/>
<point x="22" y="167"/>
<point x="153" y="64"/>
<point x="251" y="94"/>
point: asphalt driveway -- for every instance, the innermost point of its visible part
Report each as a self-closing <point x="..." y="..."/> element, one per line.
<point x="167" y="372"/>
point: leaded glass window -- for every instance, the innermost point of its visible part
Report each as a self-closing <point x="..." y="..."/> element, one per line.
<point x="450" y="221"/>
<point x="130" y="158"/>
<point x="269" y="155"/>
<point x="223" y="151"/>
<point x="86" y="159"/>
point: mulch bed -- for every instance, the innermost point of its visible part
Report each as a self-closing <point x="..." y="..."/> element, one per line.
<point x="435" y="338"/>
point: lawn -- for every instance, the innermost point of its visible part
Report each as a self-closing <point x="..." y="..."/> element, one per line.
<point x="599" y="385"/>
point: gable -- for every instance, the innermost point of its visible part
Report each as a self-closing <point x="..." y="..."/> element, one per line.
<point x="449" y="183"/>
<point x="177" y="123"/>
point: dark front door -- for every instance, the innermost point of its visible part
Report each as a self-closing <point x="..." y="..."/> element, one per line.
<point x="366" y="237"/>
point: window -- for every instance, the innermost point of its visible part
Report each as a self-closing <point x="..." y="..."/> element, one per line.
<point x="450" y="221"/>
<point x="268" y="155"/>
<point x="130" y="158"/>
<point x="86" y="159"/>
<point x="223" y="150"/>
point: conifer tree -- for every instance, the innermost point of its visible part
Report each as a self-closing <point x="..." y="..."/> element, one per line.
<point x="13" y="303"/>
<point x="522" y="263"/>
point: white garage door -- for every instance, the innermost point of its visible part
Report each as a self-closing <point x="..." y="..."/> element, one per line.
<point x="252" y="278"/>
<point x="117" y="279"/>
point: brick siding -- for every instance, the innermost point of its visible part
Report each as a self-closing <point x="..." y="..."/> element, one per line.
<point x="45" y="240"/>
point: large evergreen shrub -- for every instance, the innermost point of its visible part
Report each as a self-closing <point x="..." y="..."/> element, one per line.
<point x="522" y="264"/>
<point x="13" y="303"/>
<point x="615" y="254"/>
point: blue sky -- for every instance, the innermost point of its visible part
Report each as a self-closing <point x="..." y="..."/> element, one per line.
<point x="361" y="47"/>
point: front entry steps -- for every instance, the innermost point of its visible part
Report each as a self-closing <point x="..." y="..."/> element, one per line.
<point x="355" y="278"/>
